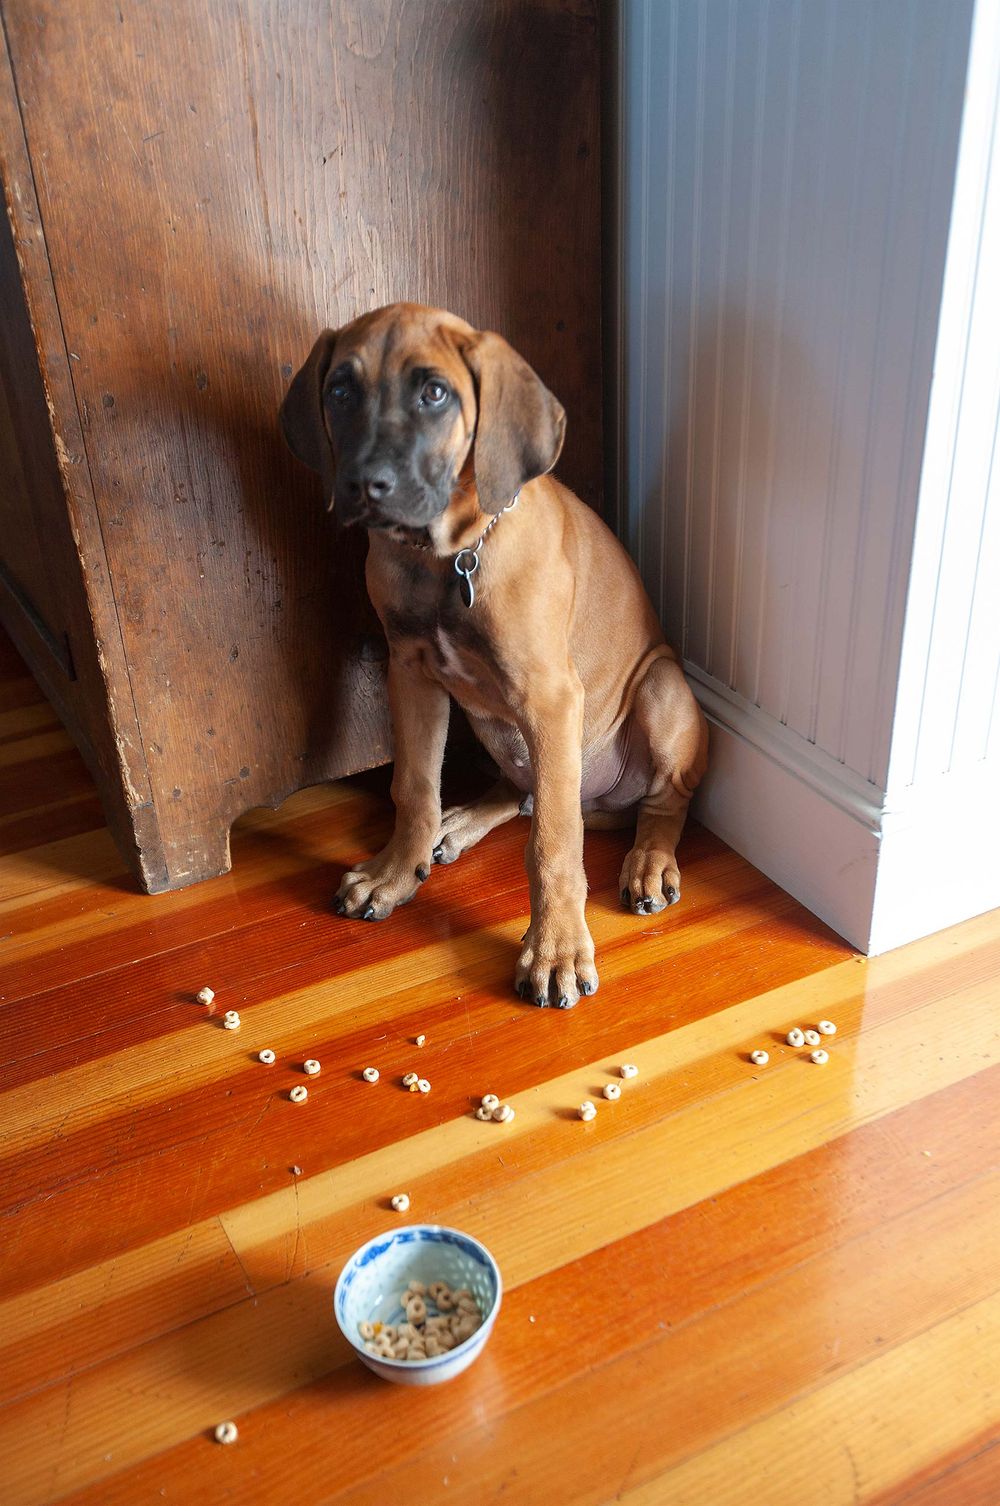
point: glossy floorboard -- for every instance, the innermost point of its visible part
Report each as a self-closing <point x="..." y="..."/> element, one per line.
<point x="769" y="1285"/>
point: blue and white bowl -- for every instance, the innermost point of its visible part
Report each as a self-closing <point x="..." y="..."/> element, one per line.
<point x="369" y="1287"/>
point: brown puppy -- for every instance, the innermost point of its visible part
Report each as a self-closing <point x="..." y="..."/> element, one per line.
<point x="424" y="431"/>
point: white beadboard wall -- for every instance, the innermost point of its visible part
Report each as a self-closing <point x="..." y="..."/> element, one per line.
<point x="787" y="176"/>
<point x="940" y="824"/>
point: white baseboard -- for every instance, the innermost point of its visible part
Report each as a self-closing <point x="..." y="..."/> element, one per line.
<point x="807" y="761"/>
<point x="801" y="838"/>
<point x="937" y="865"/>
<point x="881" y="871"/>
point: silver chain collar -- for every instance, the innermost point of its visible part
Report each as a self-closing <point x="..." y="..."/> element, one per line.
<point x="467" y="560"/>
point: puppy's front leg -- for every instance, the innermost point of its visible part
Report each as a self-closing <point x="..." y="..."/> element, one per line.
<point x="419" y="709"/>
<point x="556" y="964"/>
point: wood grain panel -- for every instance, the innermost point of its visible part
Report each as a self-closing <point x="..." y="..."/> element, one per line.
<point x="218" y="184"/>
<point x="30" y="511"/>
<point x="59" y="606"/>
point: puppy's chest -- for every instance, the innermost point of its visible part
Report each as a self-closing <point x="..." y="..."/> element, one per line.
<point x="449" y="645"/>
<point x="448" y="657"/>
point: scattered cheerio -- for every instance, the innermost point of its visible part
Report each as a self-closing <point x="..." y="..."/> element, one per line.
<point x="423" y="1086"/>
<point x="226" y="1432"/>
<point x="490" y="1101"/>
<point x="811" y="1037"/>
<point x="299" y="1094"/>
<point x="231" y="1020"/>
<point x="826" y="1027"/>
<point x="795" y="1037"/>
<point x="311" y="1067"/>
<point x="759" y="1058"/>
<point x="266" y="1056"/>
<point x="612" y="1091"/>
<point x="503" y="1113"/>
<point x="484" y="1113"/>
<point x="370" y="1074"/>
<point x="587" y="1110"/>
<point x="627" y="1069"/>
<point x="410" y="1079"/>
<point x="819" y="1057"/>
<point x="419" y="1040"/>
<point x="205" y="995"/>
<point x="400" y="1202"/>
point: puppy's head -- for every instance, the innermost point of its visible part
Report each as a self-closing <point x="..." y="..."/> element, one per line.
<point x="389" y="409"/>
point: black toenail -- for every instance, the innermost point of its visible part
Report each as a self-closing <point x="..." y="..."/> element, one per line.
<point x="522" y="989"/>
<point x="562" y="1002"/>
<point x="586" y="987"/>
<point x="626" y="897"/>
<point x="541" y="1001"/>
<point x="370" y="913"/>
<point x="672" y="895"/>
<point x="422" y="873"/>
<point x="340" y="907"/>
<point x="437" y="854"/>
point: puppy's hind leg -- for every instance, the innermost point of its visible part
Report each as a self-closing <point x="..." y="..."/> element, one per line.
<point x="462" y="826"/>
<point x="668" y="716"/>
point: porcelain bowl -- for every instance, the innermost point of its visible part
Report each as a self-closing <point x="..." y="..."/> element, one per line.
<point x="369" y="1287"/>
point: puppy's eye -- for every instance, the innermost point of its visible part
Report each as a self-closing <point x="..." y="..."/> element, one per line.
<point x="433" y="394"/>
<point x="341" y="394"/>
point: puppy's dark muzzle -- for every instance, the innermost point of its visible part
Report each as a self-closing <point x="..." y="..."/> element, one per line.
<point x="380" y="497"/>
<point x="361" y="494"/>
<point x="372" y="487"/>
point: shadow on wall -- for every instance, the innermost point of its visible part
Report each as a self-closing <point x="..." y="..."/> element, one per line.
<point x="740" y="494"/>
<point x="552" y="319"/>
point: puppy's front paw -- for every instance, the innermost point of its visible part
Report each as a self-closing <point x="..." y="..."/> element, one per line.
<point x="556" y="965"/>
<point x="650" y="881"/>
<point x="374" y="889"/>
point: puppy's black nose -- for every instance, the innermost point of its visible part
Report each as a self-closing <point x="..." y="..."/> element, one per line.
<point x="374" y="484"/>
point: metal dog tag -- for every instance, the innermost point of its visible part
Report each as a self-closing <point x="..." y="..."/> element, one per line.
<point x="471" y="556"/>
<point x="466" y="571"/>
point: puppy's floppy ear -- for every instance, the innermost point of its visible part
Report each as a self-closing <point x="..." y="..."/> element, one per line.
<point x="520" y="425"/>
<point x="301" y="413"/>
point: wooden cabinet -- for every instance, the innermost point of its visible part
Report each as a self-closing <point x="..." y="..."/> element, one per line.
<point x="193" y="190"/>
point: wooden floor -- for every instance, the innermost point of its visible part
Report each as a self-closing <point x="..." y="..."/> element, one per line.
<point x="775" y="1286"/>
